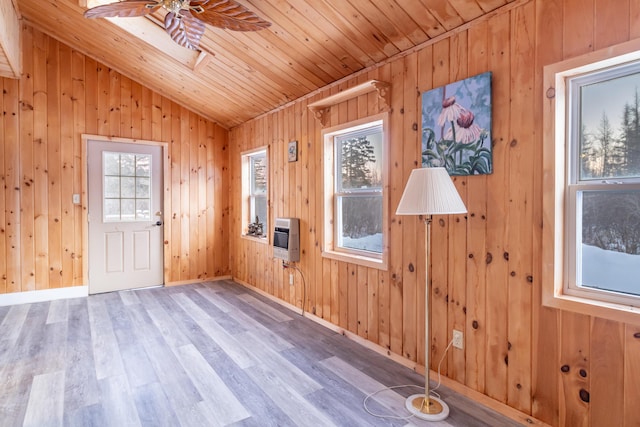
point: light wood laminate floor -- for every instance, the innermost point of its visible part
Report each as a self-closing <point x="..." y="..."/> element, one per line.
<point x="214" y="354"/>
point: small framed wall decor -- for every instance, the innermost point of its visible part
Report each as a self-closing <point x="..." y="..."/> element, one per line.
<point x="293" y="151"/>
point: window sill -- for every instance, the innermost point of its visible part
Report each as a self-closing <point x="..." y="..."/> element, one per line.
<point x="606" y="310"/>
<point x="379" y="264"/>
<point x="256" y="239"/>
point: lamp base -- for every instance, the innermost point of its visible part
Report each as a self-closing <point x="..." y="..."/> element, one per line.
<point x="433" y="410"/>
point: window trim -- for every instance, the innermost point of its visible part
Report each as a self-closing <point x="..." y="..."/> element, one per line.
<point x="329" y="222"/>
<point x="556" y="183"/>
<point x="246" y="196"/>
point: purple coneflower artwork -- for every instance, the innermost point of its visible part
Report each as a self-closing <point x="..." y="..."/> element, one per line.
<point x="451" y="110"/>
<point x="456" y="126"/>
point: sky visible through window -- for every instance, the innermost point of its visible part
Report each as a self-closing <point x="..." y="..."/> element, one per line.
<point x="608" y="97"/>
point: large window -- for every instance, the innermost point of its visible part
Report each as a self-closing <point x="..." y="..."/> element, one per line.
<point x="604" y="185"/>
<point x="354" y="173"/>
<point x="255" y="186"/>
<point x="596" y="187"/>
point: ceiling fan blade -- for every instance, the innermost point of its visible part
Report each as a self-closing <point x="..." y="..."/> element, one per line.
<point x="124" y="9"/>
<point x="227" y="14"/>
<point x="184" y="29"/>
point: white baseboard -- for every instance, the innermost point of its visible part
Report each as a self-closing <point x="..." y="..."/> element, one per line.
<point x="43" y="295"/>
<point x="29" y="297"/>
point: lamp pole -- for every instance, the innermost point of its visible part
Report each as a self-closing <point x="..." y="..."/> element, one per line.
<point x="429" y="191"/>
<point x="425" y="404"/>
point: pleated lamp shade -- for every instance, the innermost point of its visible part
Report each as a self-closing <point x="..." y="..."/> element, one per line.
<point x="430" y="191"/>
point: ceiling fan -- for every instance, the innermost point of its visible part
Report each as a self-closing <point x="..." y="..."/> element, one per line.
<point x="186" y="19"/>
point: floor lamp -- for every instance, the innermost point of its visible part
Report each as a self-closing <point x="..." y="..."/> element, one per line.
<point x="429" y="191"/>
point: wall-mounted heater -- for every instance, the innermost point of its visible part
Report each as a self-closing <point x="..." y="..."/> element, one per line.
<point x="286" y="239"/>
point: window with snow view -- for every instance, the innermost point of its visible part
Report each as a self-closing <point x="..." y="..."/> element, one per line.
<point x="254" y="193"/>
<point x="354" y="187"/>
<point x="358" y="189"/>
<point x="604" y="184"/>
<point x="591" y="184"/>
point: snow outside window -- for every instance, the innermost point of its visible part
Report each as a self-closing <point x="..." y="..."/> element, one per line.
<point x="355" y="205"/>
<point x="602" y="250"/>
<point x="358" y="190"/>
<point x="258" y="185"/>
<point x="254" y="189"/>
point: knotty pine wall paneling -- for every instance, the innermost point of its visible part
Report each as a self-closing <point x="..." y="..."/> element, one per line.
<point x="396" y="185"/>
<point x="61" y="95"/>
<point x="545" y="321"/>
<point x="519" y="216"/>
<point x="475" y="322"/>
<point x="559" y="367"/>
<point x="26" y="120"/>
<point x="41" y="195"/>
<point x="11" y="199"/>
<point x="456" y="282"/>
<point x="496" y="257"/>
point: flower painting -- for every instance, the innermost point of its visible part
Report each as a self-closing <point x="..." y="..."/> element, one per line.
<point x="456" y="126"/>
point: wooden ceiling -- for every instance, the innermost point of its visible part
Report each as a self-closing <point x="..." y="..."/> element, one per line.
<point x="9" y="40"/>
<point x="239" y="75"/>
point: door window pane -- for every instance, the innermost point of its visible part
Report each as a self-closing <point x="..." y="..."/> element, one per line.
<point x="143" y="165"/>
<point x="111" y="164"/>
<point x="127" y="186"/>
<point x="127" y="164"/>
<point x="142" y="209"/>
<point x="112" y="186"/>
<point x="112" y="209"/>
<point x="128" y="209"/>
<point x="143" y="188"/>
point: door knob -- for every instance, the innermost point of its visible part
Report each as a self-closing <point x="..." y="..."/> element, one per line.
<point x="158" y="223"/>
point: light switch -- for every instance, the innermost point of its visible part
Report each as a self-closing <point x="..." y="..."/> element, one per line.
<point x="76" y="199"/>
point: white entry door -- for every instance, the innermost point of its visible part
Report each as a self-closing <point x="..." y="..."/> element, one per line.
<point x="125" y="216"/>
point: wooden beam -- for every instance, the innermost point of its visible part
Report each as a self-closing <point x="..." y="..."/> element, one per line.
<point x="10" y="64"/>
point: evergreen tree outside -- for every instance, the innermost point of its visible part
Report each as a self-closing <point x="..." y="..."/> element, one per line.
<point x="630" y="136"/>
<point x="259" y="165"/>
<point x="588" y="155"/>
<point x="357" y="156"/>
<point x="611" y="219"/>
<point x="258" y="189"/>
<point x="359" y="190"/>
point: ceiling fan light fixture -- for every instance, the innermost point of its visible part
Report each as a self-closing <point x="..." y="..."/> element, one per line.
<point x="185" y="19"/>
<point x="175" y="5"/>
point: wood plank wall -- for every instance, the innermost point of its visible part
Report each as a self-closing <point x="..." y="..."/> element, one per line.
<point x="61" y="95"/>
<point x="563" y="368"/>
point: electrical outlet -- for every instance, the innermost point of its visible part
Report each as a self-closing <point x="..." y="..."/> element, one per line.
<point x="458" y="339"/>
<point x="291" y="278"/>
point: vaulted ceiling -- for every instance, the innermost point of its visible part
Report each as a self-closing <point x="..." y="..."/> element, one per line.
<point x="239" y="75"/>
